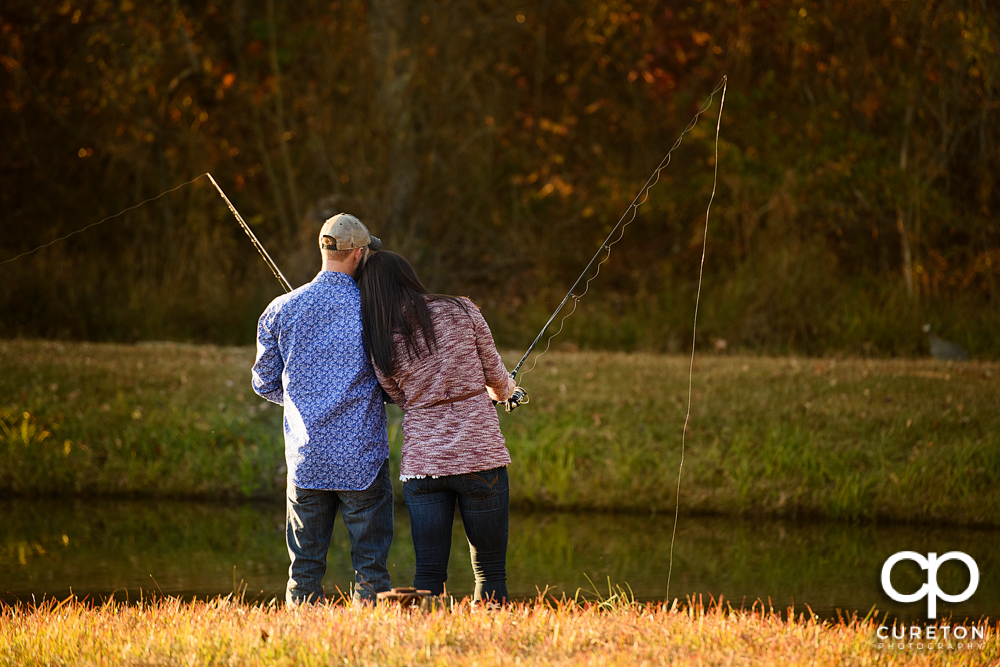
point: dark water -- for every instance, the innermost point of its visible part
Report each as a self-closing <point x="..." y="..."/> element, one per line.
<point x="133" y="548"/>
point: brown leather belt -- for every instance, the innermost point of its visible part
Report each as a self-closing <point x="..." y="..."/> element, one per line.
<point x="456" y="399"/>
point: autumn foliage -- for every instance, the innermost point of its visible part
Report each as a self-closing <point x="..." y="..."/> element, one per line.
<point x="496" y="144"/>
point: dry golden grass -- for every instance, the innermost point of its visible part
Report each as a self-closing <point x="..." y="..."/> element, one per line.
<point x="225" y="632"/>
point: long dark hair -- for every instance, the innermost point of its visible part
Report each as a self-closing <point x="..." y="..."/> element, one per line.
<point x="393" y="300"/>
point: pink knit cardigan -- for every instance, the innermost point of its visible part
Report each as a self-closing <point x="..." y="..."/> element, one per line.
<point x="443" y="436"/>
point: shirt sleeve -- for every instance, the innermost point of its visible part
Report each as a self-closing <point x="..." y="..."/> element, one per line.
<point x="389" y="386"/>
<point x="269" y="365"/>
<point x="493" y="368"/>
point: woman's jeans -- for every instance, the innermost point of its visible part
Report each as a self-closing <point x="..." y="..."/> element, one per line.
<point x="484" y="501"/>
<point x="309" y="526"/>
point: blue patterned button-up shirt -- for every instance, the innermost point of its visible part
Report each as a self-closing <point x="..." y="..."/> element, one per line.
<point x="311" y="359"/>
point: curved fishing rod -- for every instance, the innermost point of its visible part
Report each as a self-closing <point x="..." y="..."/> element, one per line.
<point x="256" y="244"/>
<point x="650" y="182"/>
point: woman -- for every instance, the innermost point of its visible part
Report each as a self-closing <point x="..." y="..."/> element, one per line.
<point x="435" y="357"/>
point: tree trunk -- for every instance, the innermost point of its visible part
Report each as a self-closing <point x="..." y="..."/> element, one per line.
<point x="390" y="27"/>
<point x="907" y="255"/>
<point x="901" y="218"/>
<point x="283" y="136"/>
<point x="236" y="32"/>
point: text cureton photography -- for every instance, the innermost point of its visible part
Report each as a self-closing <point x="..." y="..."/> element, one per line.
<point x="932" y="637"/>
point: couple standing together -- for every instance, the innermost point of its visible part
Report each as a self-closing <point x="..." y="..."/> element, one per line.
<point x="326" y="352"/>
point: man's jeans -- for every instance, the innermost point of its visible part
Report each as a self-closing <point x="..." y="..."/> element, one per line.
<point x="309" y="525"/>
<point x="484" y="501"/>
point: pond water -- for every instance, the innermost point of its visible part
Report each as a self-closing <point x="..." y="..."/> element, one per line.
<point x="133" y="548"/>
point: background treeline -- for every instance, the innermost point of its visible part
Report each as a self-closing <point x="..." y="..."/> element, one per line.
<point x="496" y="143"/>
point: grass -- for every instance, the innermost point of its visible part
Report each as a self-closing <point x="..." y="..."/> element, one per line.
<point x="848" y="439"/>
<point x="904" y="440"/>
<point x="612" y="631"/>
<point x="167" y="420"/>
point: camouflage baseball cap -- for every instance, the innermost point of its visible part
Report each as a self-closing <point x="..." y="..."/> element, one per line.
<point x="345" y="232"/>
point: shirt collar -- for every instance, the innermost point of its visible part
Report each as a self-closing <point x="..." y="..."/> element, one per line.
<point x="333" y="278"/>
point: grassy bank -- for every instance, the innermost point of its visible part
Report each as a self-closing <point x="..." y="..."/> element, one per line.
<point x="613" y="632"/>
<point x="906" y="440"/>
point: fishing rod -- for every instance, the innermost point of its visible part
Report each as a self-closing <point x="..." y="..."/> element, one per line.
<point x="520" y="395"/>
<point x="263" y="253"/>
<point x="256" y="244"/>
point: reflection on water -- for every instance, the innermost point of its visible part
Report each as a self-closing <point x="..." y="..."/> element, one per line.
<point x="128" y="548"/>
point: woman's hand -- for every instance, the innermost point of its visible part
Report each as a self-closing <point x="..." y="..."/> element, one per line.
<point x="494" y="396"/>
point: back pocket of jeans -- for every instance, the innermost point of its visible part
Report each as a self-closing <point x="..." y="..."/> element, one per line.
<point x="417" y="487"/>
<point x="482" y="486"/>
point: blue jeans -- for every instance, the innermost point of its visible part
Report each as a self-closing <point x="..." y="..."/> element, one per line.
<point x="484" y="501"/>
<point x="309" y="524"/>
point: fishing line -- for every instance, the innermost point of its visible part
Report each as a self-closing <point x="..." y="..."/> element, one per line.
<point x="253" y="238"/>
<point x="694" y="334"/>
<point x="94" y="224"/>
<point x="641" y="198"/>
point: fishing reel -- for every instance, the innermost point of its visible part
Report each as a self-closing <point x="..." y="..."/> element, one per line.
<point x="517" y="398"/>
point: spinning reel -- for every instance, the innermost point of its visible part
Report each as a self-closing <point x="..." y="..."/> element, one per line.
<point x="517" y="398"/>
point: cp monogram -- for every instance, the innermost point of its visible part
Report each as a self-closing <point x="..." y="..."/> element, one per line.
<point x="930" y="590"/>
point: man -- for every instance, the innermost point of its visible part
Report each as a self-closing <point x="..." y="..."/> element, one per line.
<point x="311" y="359"/>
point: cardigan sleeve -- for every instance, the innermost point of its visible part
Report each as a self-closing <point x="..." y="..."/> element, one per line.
<point x="390" y="386"/>
<point x="493" y="368"/>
